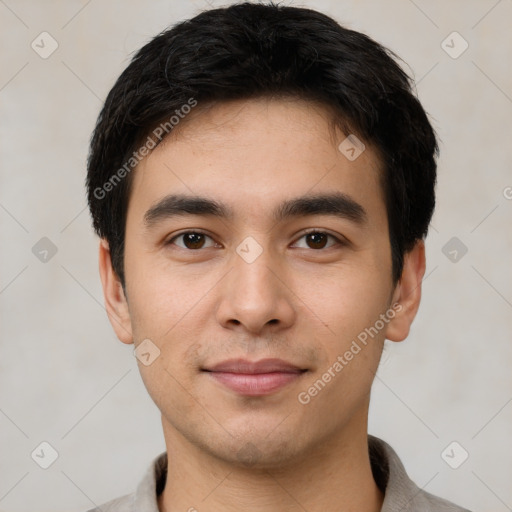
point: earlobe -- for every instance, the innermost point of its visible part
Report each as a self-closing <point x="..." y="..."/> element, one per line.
<point x="407" y="294"/>
<point x="113" y="293"/>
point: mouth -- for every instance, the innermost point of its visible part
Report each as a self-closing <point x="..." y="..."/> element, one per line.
<point x="255" y="378"/>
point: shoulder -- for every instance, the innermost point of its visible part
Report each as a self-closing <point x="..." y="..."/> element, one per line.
<point x="429" y="503"/>
<point x="122" y="504"/>
<point x="145" y="497"/>
<point x="400" y="492"/>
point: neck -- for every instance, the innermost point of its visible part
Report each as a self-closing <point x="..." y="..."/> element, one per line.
<point x="335" y="476"/>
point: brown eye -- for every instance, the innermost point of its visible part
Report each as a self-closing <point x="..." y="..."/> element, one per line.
<point x="317" y="240"/>
<point x="191" y="240"/>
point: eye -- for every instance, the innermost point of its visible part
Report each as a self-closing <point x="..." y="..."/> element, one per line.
<point x="318" y="239"/>
<point x="192" y="240"/>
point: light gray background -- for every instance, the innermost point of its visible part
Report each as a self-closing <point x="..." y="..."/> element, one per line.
<point x="64" y="377"/>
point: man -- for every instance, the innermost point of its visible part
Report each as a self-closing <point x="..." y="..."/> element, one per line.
<point x="262" y="181"/>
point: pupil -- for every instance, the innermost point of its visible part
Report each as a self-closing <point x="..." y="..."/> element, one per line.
<point x="314" y="237"/>
<point x="192" y="238"/>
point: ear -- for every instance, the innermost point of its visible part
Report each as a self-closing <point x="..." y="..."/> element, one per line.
<point x="407" y="294"/>
<point x="115" y="300"/>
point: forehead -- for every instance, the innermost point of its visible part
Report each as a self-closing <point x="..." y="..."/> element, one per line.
<point x="251" y="154"/>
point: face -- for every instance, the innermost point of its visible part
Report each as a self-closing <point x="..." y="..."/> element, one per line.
<point x="259" y="323"/>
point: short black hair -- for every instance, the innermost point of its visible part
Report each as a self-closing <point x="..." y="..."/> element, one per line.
<point x="251" y="50"/>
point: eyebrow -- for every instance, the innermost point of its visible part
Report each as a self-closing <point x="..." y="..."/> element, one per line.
<point x="335" y="204"/>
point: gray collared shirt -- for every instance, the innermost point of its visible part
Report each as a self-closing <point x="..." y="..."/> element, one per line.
<point x="401" y="494"/>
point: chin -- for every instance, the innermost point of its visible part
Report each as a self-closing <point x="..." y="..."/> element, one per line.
<point x="258" y="451"/>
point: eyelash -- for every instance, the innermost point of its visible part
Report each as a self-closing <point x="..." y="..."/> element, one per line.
<point x="312" y="231"/>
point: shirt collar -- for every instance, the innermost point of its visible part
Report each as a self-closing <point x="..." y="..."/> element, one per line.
<point x="388" y="471"/>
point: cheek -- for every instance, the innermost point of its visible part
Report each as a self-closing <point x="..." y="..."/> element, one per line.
<point x="161" y="310"/>
<point x="161" y="299"/>
<point x="351" y="348"/>
<point x="345" y="303"/>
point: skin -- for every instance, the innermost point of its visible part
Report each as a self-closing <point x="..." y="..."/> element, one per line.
<point x="296" y="301"/>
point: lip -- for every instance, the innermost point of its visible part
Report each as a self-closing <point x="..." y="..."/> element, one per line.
<point x="255" y="378"/>
<point x="254" y="367"/>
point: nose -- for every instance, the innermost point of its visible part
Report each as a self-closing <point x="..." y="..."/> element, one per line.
<point x="255" y="295"/>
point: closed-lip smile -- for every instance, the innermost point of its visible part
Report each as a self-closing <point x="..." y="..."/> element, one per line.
<point x="254" y="378"/>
